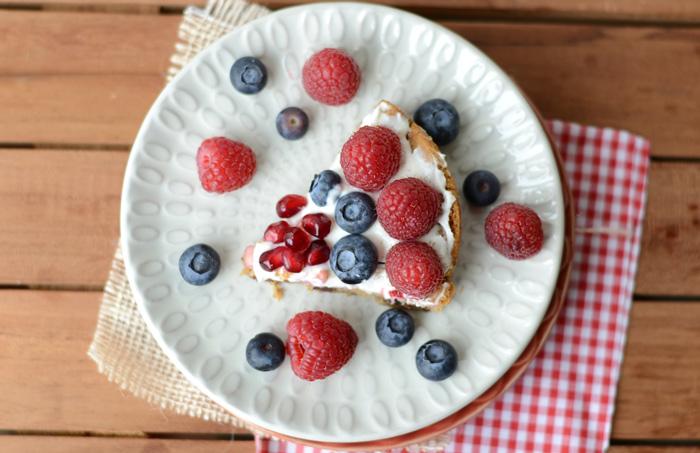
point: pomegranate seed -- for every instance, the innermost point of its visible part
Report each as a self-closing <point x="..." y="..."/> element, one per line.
<point x="318" y="252"/>
<point x="272" y="259"/>
<point x="290" y="205"/>
<point x="275" y="232"/>
<point x="293" y="261"/>
<point x="318" y="225"/>
<point x="296" y="239"/>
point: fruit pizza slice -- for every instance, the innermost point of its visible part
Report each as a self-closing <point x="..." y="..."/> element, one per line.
<point x="382" y="221"/>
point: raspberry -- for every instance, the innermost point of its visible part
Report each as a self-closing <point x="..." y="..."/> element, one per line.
<point x="414" y="268"/>
<point x="514" y="231"/>
<point x="408" y="208"/>
<point x="331" y="77"/>
<point x="319" y="344"/>
<point x="371" y="157"/>
<point x="224" y="165"/>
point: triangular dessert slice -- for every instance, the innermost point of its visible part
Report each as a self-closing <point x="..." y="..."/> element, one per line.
<point x="382" y="221"/>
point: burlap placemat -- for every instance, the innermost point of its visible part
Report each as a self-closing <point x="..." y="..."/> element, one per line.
<point x="123" y="347"/>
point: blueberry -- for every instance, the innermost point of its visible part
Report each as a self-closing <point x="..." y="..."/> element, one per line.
<point x="354" y="259"/>
<point x="355" y="212"/>
<point x="322" y="185"/>
<point x="248" y="75"/>
<point x="395" y="327"/>
<point x="440" y="120"/>
<point x="265" y="352"/>
<point x="481" y="188"/>
<point x="436" y="360"/>
<point x="292" y="123"/>
<point x="199" y="264"/>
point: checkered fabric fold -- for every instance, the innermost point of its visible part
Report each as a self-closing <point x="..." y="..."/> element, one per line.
<point x="564" y="401"/>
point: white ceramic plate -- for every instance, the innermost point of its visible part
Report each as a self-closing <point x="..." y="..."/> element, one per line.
<point x="406" y="60"/>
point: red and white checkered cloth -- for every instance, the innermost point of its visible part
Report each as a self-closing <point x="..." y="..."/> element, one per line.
<point x="564" y="401"/>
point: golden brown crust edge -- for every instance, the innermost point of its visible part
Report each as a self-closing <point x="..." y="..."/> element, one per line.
<point x="418" y="138"/>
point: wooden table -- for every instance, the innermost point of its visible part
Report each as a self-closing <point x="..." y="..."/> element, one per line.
<point x="77" y="78"/>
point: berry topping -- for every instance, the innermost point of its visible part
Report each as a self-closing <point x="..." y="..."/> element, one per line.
<point x="439" y="119"/>
<point x="319" y="344"/>
<point x="199" y="264"/>
<point x="293" y="262"/>
<point x="481" y="188"/>
<point x="224" y="165"/>
<point x="318" y="225"/>
<point x="248" y="75"/>
<point x="322" y="185"/>
<point x="436" y="360"/>
<point x="514" y="231"/>
<point x="355" y="212"/>
<point x="394" y="327"/>
<point x="414" y="268"/>
<point x="331" y="77"/>
<point x="317" y="253"/>
<point x="408" y="208"/>
<point x="275" y="232"/>
<point x="371" y="157"/>
<point x="265" y="352"/>
<point x="290" y="205"/>
<point x="292" y="123"/>
<point x="354" y="259"/>
<point x="272" y="259"/>
<point x="296" y="239"/>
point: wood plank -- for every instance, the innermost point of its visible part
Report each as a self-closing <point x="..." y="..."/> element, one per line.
<point x="71" y="199"/>
<point x="623" y="77"/>
<point x="42" y="444"/>
<point x="659" y="395"/>
<point x="60" y="221"/>
<point x="669" y="263"/>
<point x="677" y="11"/>
<point x="53" y="385"/>
<point x="85" y="43"/>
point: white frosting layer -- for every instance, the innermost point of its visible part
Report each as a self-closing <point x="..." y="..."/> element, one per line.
<point x="415" y="163"/>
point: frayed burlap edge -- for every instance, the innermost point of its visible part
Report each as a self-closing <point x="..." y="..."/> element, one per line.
<point x="123" y="346"/>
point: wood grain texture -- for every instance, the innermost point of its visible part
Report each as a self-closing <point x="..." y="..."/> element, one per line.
<point x="677" y="11"/>
<point x="606" y="76"/>
<point x="60" y="219"/>
<point x="659" y="394"/>
<point x="51" y="384"/>
<point x="43" y="444"/>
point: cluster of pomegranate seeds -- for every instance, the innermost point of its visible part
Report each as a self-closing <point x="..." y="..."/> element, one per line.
<point x="290" y="205"/>
<point x="299" y="245"/>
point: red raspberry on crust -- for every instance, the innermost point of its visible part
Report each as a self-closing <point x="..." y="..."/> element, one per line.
<point x="408" y="208"/>
<point x="371" y="157"/>
<point x="514" y="231"/>
<point x="331" y="77"/>
<point x="414" y="268"/>
<point x="319" y="344"/>
<point x="224" y="165"/>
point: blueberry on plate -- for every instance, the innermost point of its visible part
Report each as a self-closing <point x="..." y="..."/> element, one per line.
<point x="265" y="352"/>
<point x="354" y="259"/>
<point x="440" y="120"/>
<point x="436" y="360"/>
<point x="248" y="75"/>
<point x="481" y="188"/>
<point x="292" y="123"/>
<point x="322" y="187"/>
<point x="395" y="327"/>
<point x="355" y="212"/>
<point x="199" y="264"/>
